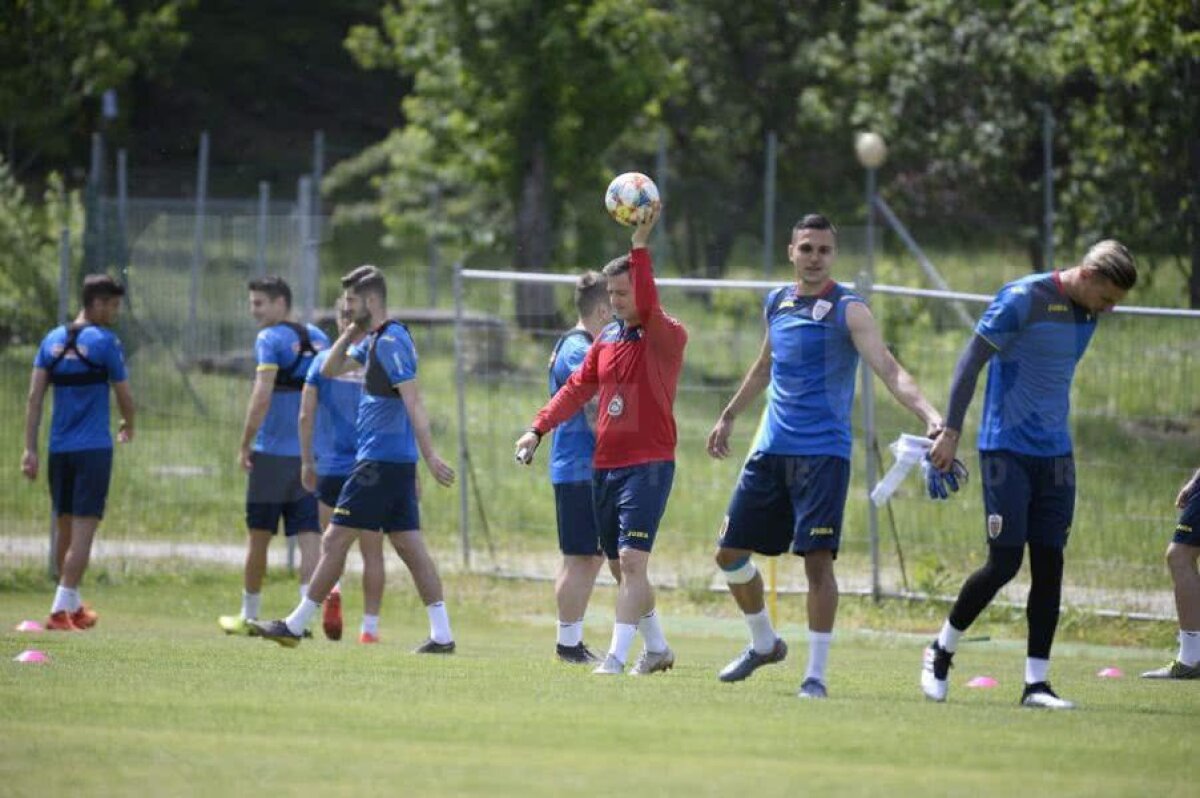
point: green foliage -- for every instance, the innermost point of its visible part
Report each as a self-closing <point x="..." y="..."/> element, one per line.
<point x="57" y="57"/>
<point x="958" y="90"/>
<point x="499" y="85"/>
<point x="29" y="255"/>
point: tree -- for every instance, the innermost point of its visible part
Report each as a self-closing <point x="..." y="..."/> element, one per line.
<point x="515" y="104"/>
<point x="56" y="57"/>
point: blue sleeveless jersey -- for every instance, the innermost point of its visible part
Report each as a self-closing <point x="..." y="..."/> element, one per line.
<point x="574" y="442"/>
<point x="335" y="439"/>
<point x="813" y="368"/>
<point x="1040" y="335"/>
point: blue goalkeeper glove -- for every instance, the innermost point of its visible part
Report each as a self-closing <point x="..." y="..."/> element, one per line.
<point x="940" y="484"/>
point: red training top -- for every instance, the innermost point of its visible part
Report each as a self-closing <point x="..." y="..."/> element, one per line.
<point x="636" y="371"/>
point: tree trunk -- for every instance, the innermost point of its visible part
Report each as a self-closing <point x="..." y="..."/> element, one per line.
<point x="536" y="308"/>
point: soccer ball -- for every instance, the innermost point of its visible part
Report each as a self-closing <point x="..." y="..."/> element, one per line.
<point x="631" y="198"/>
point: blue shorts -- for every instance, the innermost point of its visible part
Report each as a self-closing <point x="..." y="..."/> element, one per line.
<point x="1027" y="499"/>
<point x="79" y="481"/>
<point x="576" y="519"/>
<point x="329" y="487"/>
<point x="629" y="502"/>
<point x="274" y="491"/>
<point x="1187" y="530"/>
<point x="380" y="497"/>
<point x="787" y="502"/>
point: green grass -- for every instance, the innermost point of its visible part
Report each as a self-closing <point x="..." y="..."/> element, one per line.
<point x="156" y="700"/>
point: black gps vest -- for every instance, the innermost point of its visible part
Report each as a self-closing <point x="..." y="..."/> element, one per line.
<point x="96" y="373"/>
<point x="376" y="382"/>
<point x="287" y="380"/>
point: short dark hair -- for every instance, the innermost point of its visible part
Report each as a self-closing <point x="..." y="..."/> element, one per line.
<point x="273" y="286"/>
<point x="1112" y="260"/>
<point x="815" y="221"/>
<point x="590" y="292"/>
<point x="616" y="266"/>
<point x="366" y="279"/>
<point x="100" y="286"/>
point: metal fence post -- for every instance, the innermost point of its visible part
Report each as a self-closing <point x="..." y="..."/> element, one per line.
<point x="304" y="211"/>
<point x="863" y="286"/>
<point x="768" y="254"/>
<point x="264" y="208"/>
<point x="198" y="240"/>
<point x="460" y="390"/>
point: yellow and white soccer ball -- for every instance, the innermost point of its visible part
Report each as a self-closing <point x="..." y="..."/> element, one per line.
<point x="631" y="198"/>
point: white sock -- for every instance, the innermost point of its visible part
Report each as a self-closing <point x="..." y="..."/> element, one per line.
<point x="570" y="633"/>
<point x="1036" y="670"/>
<point x="1189" y="647"/>
<point x="439" y="622"/>
<point x="76" y="600"/>
<point x="303" y="591"/>
<point x="760" y="631"/>
<point x="251" y="602"/>
<point x="622" y="639"/>
<point x="337" y="587"/>
<point x="370" y="624"/>
<point x="818" y="654"/>
<point x="65" y="600"/>
<point x="652" y="633"/>
<point x="948" y="638"/>
<point x="297" y="622"/>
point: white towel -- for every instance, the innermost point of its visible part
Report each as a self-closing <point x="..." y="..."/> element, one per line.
<point x="908" y="451"/>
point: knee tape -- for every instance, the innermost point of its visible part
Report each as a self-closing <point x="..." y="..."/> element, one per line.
<point x="740" y="572"/>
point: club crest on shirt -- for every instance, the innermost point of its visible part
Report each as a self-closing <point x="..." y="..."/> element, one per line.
<point x="995" y="523"/>
<point x="821" y="309"/>
<point x="616" y="406"/>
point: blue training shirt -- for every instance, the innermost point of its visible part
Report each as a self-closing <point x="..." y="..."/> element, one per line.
<point x="574" y="442"/>
<point x="80" y="419"/>
<point x="1039" y="334"/>
<point x="385" y="431"/>
<point x="813" y="368"/>
<point x="278" y="347"/>
<point x="335" y="435"/>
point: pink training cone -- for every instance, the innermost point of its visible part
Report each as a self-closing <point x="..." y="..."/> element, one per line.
<point x="32" y="656"/>
<point x="1110" y="673"/>
<point x="984" y="682"/>
<point x="30" y="626"/>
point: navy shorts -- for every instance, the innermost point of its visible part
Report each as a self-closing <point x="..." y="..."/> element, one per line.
<point x="576" y="519"/>
<point x="1027" y="499"/>
<point x="1187" y="530"/>
<point x="329" y="487"/>
<point x="787" y="502"/>
<point x="274" y="491"/>
<point x="380" y="497"/>
<point x="629" y="502"/>
<point x="79" y="481"/>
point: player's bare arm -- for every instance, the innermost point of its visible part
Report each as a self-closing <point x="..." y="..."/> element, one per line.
<point x="126" y="407"/>
<point x="757" y="378"/>
<point x="339" y="361"/>
<point x="39" y="380"/>
<point x="869" y="343"/>
<point x="575" y="393"/>
<point x="410" y="392"/>
<point x="256" y="411"/>
<point x="305" y="423"/>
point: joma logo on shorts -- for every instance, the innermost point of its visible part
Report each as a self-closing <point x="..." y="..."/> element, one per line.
<point x="340" y="511"/>
<point x="818" y="531"/>
<point x="633" y="533"/>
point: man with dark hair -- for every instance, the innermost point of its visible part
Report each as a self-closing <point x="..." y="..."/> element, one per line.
<point x="634" y="366"/>
<point x="380" y="495"/>
<point x="791" y="494"/>
<point x="1182" y="553"/>
<point x="328" y="444"/>
<point x="1031" y="338"/>
<point x="80" y="360"/>
<point x="571" y="475"/>
<point x="270" y="445"/>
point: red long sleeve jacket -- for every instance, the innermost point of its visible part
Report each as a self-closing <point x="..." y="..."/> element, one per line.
<point x="636" y="371"/>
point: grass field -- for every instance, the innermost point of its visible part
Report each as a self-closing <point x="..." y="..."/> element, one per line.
<point x="156" y="701"/>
